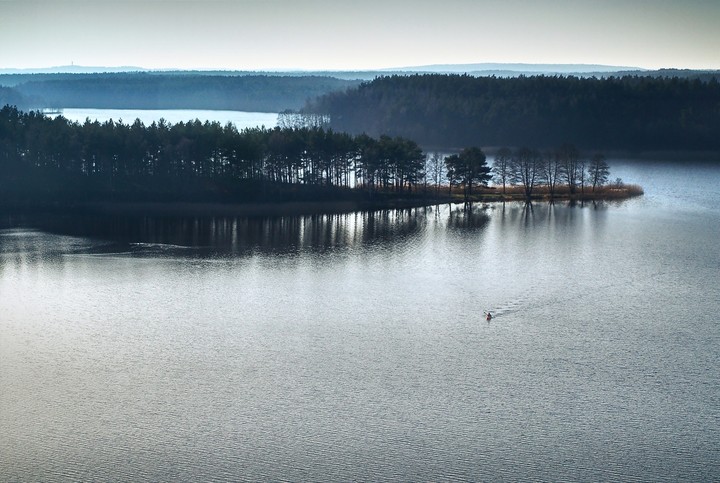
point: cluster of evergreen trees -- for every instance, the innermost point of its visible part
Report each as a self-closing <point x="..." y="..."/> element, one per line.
<point x="40" y="155"/>
<point x="452" y="111"/>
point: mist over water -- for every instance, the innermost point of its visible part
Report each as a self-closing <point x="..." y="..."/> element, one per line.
<point x="354" y="346"/>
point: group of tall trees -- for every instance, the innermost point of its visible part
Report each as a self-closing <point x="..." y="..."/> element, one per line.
<point x="564" y="166"/>
<point x="467" y="169"/>
<point x="40" y="155"/>
<point x="525" y="167"/>
<point x="452" y="111"/>
<point x="113" y="157"/>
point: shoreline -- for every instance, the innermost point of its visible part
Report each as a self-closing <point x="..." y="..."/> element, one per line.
<point x="209" y="209"/>
<point x="262" y="209"/>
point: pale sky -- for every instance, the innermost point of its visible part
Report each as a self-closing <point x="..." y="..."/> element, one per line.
<point x="356" y="34"/>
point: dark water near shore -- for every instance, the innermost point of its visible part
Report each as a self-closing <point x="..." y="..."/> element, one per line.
<point x="354" y="346"/>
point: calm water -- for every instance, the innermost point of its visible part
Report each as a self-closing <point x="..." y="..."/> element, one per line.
<point x="353" y="347"/>
<point x="241" y="119"/>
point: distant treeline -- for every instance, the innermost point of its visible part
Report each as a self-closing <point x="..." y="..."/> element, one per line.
<point x="54" y="159"/>
<point x="261" y="93"/>
<point x="452" y="111"/>
<point x="11" y="97"/>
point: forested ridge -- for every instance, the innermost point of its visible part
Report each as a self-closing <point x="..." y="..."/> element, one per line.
<point x="11" y="97"/>
<point x="262" y="93"/>
<point x="454" y="111"/>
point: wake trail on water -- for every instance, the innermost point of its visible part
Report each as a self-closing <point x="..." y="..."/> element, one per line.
<point x="132" y="249"/>
<point x="162" y="246"/>
<point x="538" y="298"/>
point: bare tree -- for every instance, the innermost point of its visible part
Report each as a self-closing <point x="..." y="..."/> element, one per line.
<point x="569" y="161"/>
<point x="598" y="171"/>
<point x="526" y="168"/>
<point x="434" y="170"/>
<point x="551" y="171"/>
<point x="582" y="174"/>
<point x="501" y="167"/>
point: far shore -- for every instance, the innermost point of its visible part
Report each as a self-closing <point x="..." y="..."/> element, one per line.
<point x="675" y="155"/>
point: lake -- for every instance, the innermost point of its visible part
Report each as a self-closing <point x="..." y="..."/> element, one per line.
<point x="241" y="119"/>
<point x="354" y="347"/>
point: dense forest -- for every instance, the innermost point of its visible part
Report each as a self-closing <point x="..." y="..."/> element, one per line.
<point x="49" y="159"/>
<point x="11" y="97"/>
<point x="260" y="93"/>
<point x="52" y="160"/>
<point x="454" y="111"/>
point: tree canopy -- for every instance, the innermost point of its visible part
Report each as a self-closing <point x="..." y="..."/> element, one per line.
<point x="468" y="168"/>
<point x="40" y="156"/>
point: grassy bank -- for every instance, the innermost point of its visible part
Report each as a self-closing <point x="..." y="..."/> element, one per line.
<point x="542" y="193"/>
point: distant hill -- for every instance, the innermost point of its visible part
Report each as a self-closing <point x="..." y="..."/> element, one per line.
<point x="190" y="90"/>
<point x="275" y="91"/>
<point x="440" y="68"/>
<point x="454" y="111"/>
<point x="12" y="77"/>
<point x="575" y="70"/>
<point x="72" y="69"/>
<point x="514" y="68"/>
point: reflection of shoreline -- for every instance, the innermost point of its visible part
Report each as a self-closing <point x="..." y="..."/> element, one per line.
<point x="151" y="208"/>
<point x="236" y="229"/>
<point x="246" y="209"/>
<point x="140" y="233"/>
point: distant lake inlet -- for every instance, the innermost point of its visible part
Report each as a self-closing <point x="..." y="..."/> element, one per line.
<point x="241" y="119"/>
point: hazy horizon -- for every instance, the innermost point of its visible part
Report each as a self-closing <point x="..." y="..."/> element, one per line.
<point x="347" y="36"/>
<point x="472" y="67"/>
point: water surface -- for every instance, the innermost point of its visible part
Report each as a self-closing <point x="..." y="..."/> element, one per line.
<point x="354" y="346"/>
<point x="241" y="119"/>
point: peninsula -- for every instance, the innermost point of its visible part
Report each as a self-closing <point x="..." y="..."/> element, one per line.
<point x="206" y="167"/>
